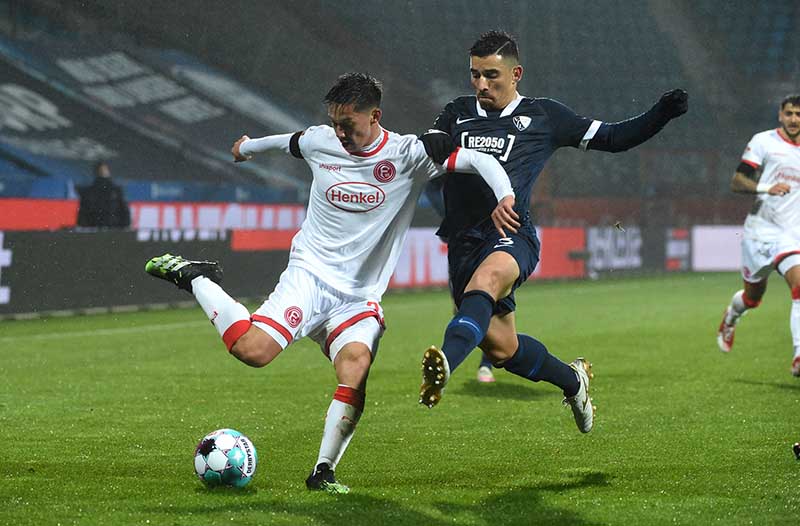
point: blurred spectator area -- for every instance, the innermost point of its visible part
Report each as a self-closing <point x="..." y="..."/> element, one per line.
<point x="608" y="59"/>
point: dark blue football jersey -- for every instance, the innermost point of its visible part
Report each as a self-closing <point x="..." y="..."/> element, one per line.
<point x="522" y="138"/>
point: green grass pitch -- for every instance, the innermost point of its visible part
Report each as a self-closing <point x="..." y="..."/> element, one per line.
<point x="99" y="417"/>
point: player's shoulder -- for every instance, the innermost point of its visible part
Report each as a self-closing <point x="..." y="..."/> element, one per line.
<point x="404" y="143"/>
<point x="764" y="139"/>
<point x="466" y="105"/>
<point x="543" y="104"/>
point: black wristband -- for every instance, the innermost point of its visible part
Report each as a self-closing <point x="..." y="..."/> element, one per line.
<point x="294" y="145"/>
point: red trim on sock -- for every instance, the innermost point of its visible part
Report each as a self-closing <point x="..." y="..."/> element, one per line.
<point x="349" y="323"/>
<point x="275" y="325"/>
<point x="350" y="396"/>
<point x="750" y="304"/>
<point x="234" y="332"/>
<point x="796" y="293"/>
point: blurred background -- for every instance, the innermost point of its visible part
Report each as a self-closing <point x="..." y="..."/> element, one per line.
<point x="160" y="90"/>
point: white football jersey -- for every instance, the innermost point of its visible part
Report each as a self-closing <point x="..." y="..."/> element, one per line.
<point x="359" y="209"/>
<point x="779" y="162"/>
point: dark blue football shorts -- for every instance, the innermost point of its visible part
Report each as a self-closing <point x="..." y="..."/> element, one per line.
<point x="467" y="251"/>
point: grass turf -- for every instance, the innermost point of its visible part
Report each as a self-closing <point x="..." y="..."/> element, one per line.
<point x="99" y="417"/>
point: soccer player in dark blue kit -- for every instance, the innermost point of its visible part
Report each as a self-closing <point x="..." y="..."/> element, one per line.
<point x="487" y="266"/>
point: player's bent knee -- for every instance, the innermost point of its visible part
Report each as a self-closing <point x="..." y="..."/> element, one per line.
<point x="256" y="348"/>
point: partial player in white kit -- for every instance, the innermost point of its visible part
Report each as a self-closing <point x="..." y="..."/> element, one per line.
<point x="366" y="183"/>
<point x="772" y="229"/>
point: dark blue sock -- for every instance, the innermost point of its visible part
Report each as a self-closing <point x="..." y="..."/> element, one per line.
<point x="468" y="327"/>
<point x="485" y="361"/>
<point x="532" y="361"/>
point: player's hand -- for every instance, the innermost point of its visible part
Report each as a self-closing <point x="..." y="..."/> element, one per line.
<point x="780" y="189"/>
<point x="438" y="145"/>
<point x="504" y="217"/>
<point x="237" y="156"/>
<point x="674" y="103"/>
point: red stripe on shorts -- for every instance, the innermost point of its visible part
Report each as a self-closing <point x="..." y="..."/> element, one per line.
<point x="351" y="396"/>
<point x="783" y="255"/>
<point x="349" y="323"/>
<point x="275" y="325"/>
<point x="234" y="332"/>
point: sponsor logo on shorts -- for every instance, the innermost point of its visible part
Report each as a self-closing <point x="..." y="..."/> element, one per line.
<point x="293" y="316"/>
<point x="384" y="171"/>
<point x="355" y="196"/>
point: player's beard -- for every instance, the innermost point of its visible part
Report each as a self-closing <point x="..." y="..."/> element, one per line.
<point x="788" y="132"/>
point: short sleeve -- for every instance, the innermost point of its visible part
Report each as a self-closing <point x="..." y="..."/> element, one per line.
<point x="754" y="153"/>
<point x="567" y="127"/>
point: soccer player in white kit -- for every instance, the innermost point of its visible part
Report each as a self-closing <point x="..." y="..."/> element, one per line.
<point x="366" y="183"/>
<point x="772" y="229"/>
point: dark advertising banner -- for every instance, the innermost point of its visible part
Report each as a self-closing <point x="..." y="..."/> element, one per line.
<point x="631" y="249"/>
<point x="50" y="271"/>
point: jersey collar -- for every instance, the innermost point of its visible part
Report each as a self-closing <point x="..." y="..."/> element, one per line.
<point x="379" y="147"/>
<point x="508" y="110"/>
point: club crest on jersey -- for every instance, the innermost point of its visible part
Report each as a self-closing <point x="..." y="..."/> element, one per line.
<point x="521" y="122"/>
<point x="355" y="196"/>
<point x="384" y="171"/>
<point x="293" y="316"/>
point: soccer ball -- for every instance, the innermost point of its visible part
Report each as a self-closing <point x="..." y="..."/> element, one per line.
<point x="225" y="457"/>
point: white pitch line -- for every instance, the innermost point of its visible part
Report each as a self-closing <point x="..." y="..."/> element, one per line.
<point x="102" y="332"/>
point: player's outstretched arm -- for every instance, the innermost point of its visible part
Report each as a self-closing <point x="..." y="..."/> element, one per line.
<point x="504" y="216"/>
<point x="245" y="147"/>
<point x="621" y="136"/>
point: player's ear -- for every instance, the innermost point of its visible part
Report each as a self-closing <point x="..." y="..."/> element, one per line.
<point x="375" y="116"/>
<point x="516" y="73"/>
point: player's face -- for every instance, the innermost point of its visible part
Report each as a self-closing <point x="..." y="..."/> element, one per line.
<point x="789" y="117"/>
<point x="495" y="80"/>
<point x="355" y="129"/>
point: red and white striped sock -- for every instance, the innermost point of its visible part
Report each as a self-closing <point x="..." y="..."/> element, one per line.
<point x="229" y="317"/>
<point x="340" y="424"/>
<point x="739" y="304"/>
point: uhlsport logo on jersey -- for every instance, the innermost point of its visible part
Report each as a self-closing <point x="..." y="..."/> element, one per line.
<point x="355" y="196"/>
<point x="384" y="171"/>
<point x="293" y="316"/>
<point x="521" y="122"/>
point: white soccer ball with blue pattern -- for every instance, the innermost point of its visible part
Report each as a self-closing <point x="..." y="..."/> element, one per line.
<point x="225" y="457"/>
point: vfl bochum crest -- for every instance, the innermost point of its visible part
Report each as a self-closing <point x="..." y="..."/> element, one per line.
<point x="522" y="122"/>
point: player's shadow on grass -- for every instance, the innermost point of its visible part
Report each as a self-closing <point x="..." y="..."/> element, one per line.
<point x="529" y="505"/>
<point x="791" y="385"/>
<point x="526" y="505"/>
<point x="501" y="389"/>
<point x="319" y="508"/>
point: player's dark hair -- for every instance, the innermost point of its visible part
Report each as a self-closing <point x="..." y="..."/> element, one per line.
<point x="360" y="89"/>
<point x="793" y="99"/>
<point x="495" y="43"/>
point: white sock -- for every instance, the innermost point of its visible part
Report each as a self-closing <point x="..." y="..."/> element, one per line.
<point x="340" y="424"/>
<point x="229" y="317"/>
<point x="737" y="307"/>
<point x="794" y="324"/>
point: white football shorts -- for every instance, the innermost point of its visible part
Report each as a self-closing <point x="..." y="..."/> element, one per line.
<point x="303" y="305"/>
<point x="760" y="256"/>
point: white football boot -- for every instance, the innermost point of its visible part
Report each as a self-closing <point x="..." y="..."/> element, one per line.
<point x="581" y="403"/>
